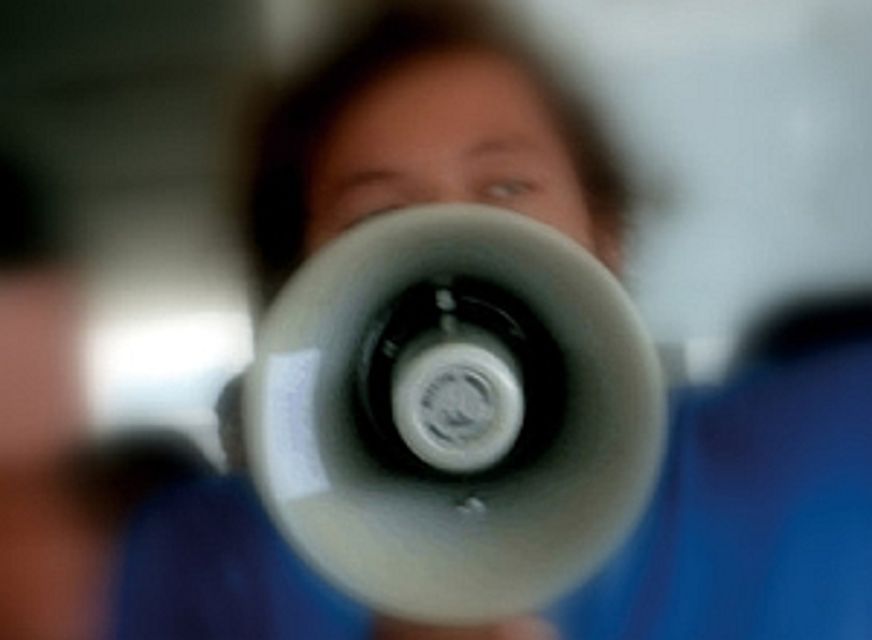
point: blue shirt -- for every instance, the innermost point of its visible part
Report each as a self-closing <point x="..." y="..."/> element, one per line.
<point x="761" y="527"/>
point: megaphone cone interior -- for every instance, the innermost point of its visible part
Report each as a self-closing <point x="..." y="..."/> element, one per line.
<point x="454" y="414"/>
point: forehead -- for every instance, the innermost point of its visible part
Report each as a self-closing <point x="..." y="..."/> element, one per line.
<point x="434" y="102"/>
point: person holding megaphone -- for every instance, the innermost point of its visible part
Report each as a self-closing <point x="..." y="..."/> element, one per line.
<point x="432" y="197"/>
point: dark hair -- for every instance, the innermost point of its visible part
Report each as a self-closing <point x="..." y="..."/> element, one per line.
<point x="276" y="207"/>
<point x="810" y="325"/>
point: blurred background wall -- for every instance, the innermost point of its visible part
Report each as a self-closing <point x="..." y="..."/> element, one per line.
<point x="746" y="125"/>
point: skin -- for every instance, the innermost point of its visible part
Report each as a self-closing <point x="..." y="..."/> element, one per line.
<point x="40" y="406"/>
<point x="453" y="126"/>
<point x="53" y="553"/>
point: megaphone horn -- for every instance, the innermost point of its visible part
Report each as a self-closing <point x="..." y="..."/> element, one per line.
<point x="454" y="414"/>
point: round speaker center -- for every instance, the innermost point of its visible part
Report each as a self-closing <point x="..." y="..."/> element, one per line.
<point x="458" y="406"/>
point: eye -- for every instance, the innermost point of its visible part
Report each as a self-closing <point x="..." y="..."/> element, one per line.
<point x="507" y="189"/>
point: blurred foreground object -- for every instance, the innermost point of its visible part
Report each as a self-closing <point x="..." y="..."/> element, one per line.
<point x="54" y="550"/>
<point x="40" y="326"/>
<point x="40" y="406"/>
<point x="63" y="498"/>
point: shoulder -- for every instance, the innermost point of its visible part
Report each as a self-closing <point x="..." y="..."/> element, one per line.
<point x="818" y="396"/>
<point x="195" y="507"/>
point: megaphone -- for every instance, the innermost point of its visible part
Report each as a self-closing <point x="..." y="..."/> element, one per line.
<point x="454" y="414"/>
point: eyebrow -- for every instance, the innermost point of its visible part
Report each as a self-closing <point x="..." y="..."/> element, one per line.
<point x="510" y="144"/>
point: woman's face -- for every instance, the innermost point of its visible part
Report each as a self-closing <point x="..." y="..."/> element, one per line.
<point x="454" y="126"/>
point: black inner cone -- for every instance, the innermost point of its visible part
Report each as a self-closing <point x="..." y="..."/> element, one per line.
<point x="445" y="307"/>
